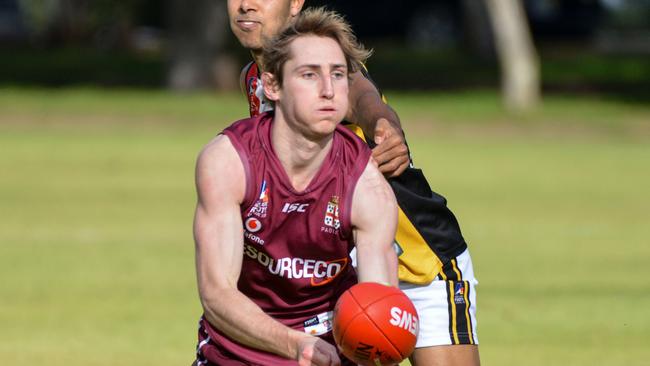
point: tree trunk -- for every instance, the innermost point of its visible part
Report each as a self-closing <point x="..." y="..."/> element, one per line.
<point x="517" y="55"/>
<point x="198" y="32"/>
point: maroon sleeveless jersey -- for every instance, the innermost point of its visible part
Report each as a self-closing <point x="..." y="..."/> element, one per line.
<point x="296" y="244"/>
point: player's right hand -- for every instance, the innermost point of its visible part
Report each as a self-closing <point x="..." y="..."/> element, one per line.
<point x="313" y="351"/>
<point x="391" y="152"/>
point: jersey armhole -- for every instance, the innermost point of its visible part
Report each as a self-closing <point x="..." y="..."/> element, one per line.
<point x="248" y="172"/>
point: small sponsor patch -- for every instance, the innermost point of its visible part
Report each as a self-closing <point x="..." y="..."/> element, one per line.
<point x="295" y="207"/>
<point x="264" y="192"/>
<point x="253" y="225"/>
<point x="318" y="325"/>
<point x="261" y="205"/>
<point x="459" y="293"/>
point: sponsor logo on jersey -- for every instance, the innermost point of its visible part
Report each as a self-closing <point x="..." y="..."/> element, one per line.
<point x="253" y="225"/>
<point x="254" y="238"/>
<point x="262" y="204"/>
<point x="459" y="293"/>
<point x="331" y="221"/>
<point x="253" y="100"/>
<point x="318" y="325"/>
<point x="295" y="207"/>
<point x="318" y="271"/>
<point x="403" y="319"/>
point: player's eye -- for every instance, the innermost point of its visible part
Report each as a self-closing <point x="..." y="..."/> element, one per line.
<point x="338" y="75"/>
<point x="309" y="75"/>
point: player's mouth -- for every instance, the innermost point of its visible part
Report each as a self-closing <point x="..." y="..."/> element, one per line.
<point x="327" y="110"/>
<point x="247" y="25"/>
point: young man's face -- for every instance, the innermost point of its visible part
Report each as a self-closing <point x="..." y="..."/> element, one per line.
<point x="313" y="97"/>
<point x="252" y="21"/>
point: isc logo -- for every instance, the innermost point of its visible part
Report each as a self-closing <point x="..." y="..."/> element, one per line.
<point x="404" y="319"/>
<point x="297" y="207"/>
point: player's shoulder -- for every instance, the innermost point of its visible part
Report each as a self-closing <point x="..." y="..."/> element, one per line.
<point x="216" y="152"/>
<point x="373" y="187"/>
<point x="219" y="156"/>
<point x="246" y="71"/>
<point x="373" y="200"/>
<point x="223" y="148"/>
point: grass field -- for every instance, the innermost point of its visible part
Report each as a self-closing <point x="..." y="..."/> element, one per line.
<point x="97" y="196"/>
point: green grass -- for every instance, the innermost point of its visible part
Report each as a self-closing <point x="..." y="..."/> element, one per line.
<point x="96" y="204"/>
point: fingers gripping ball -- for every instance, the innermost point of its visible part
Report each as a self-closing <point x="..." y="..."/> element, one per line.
<point x="375" y="324"/>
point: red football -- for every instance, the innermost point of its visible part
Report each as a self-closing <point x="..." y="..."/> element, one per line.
<point x="375" y="324"/>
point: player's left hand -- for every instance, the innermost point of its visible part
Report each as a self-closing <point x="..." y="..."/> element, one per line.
<point x="391" y="152"/>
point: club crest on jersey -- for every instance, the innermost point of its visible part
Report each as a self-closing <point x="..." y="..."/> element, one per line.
<point x="261" y="205"/>
<point x="332" y="214"/>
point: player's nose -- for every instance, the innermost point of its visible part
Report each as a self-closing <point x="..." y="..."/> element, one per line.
<point x="327" y="88"/>
<point x="247" y="5"/>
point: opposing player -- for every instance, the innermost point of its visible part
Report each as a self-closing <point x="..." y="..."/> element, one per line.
<point x="253" y="21"/>
<point x="435" y="268"/>
<point x="282" y="200"/>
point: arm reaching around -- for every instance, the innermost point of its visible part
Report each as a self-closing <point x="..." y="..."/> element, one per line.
<point x="219" y="241"/>
<point x="374" y="218"/>
<point x="380" y="122"/>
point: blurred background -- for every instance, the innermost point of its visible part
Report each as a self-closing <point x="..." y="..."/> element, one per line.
<point x="586" y="46"/>
<point x="532" y="117"/>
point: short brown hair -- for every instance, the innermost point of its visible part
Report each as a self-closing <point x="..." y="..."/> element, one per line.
<point x="318" y="22"/>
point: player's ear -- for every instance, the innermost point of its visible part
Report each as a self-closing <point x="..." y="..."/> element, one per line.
<point x="271" y="86"/>
<point x="296" y="6"/>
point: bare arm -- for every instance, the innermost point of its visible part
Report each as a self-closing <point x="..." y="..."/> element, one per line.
<point x="380" y="122"/>
<point x="374" y="217"/>
<point x="218" y="235"/>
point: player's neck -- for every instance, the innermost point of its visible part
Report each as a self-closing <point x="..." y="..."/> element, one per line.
<point x="257" y="57"/>
<point x="300" y="156"/>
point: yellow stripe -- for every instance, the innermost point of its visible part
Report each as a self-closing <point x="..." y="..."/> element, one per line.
<point x="454" y="331"/>
<point x="469" y="321"/>
<point x="443" y="275"/>
<point x="453" y="265"/>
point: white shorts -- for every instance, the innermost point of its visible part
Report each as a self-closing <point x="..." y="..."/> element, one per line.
<point x="447" y="306"/>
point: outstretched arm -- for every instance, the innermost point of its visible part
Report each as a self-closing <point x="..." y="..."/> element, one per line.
<point x="380" y="122"/>
<point x="219" y="242"/>
<point x="374" y="218"/>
